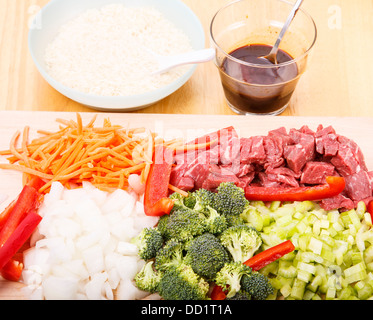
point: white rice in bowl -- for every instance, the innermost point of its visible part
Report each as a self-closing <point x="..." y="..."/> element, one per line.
<point x="106" y="51"/>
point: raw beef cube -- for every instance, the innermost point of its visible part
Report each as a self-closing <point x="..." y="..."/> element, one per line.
<point x="345" y="161"/>
<point x="246" y="180"/>
<point x="337" y="202"/>
<point x="314" y="172"/>
<point x="198" y="172"/>
<point x="355" y="150"/>
<point x="299" y="154"/>
<point x="253" y="151"/>
<point x="274" y="152"/>
<point x="281" y="133"/>
<point x="358" y="186"/>
<point x="216" y="176"/>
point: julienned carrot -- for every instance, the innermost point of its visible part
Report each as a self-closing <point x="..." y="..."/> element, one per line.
<point x="19" y="236"/>
<point x="105" y="155"/>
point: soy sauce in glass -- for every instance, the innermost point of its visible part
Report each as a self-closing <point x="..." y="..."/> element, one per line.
<point x="258" y="89"/>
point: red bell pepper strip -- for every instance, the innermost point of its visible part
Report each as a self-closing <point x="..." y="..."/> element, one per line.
<point x="258" y="262"/>
<point x="12" y="270"/>
<point x="334" y="186"/>
<point x="156" y="201"/>
<point x="217" y="293"/>
<point x="17" y="239"/>
<point x="370" y="209"/>
<point x="6" y="213"/>
<point x="26" y="201"/>
<point x="269" y="255"/>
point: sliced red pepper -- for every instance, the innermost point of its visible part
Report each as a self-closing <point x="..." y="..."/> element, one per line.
<point x="35" y="182"/>
<point x="12" y="270"/>
<point x="6" y="213"/>
<point x="334" y="186"/>
<point x="269" y="255"/>
<point x="258" y="262"/>
<point x="19" y="237"/>
<point x="156" y="201"/>
<point x="217" y="293"/>
<point x="370" y="209"/>
<point x="26" y="201"/>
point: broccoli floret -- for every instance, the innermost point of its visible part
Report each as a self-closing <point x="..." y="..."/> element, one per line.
<point x="257" y="285"/>
<point x="206" y="255"/>
<point x="230" y="199"/>
<point x="234" y="220"/>
<point x="149" y="241"/>
<point x="229" y="277"/>
<point x="182" y="283"/>
<point x="147" y="279"/>
<point x="178" y="200"/>
<point x="241" y="241"/>
<point x="182" y="224"/>
<point x="190" y="200"/>
<point x="215" y="223"/>
<point x="171" y="254"/>
<point x="204" y="199"/>
<point x="241" y="295"/>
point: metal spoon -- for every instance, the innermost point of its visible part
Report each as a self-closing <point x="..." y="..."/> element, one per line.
<point x="272" y="56"/>
<point x="168" y="62"/>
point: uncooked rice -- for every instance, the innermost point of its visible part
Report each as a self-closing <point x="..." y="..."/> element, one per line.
<point x="106" y="51"/>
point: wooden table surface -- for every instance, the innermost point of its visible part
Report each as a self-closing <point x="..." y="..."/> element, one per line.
<point x="338" y="81"/>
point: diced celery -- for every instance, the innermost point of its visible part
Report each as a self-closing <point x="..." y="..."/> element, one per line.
<point x="345" y="293"/>
<point x="308" y="295"/>
<point x="304" y="275"/>
<point x="355" y="273"/>
<point x="368" y="254"/>
<point x="252" y="217"/>
<point x="315" y="283"/>
<point x="361" y="209"/>
<point x="357" y="257"/>
<point x="330" y="293"/>
<point x="286" y="269"/>
<point x="316" y="297"/>
<point x="286" y="290"/>
<point x="333" y="216"/>
<point x="328" y="255"/>
<point x="304" y="206"/>
<point x="307" y="256"/>
<point x="306" y="267"/>
<point x="327" y="239"/>
<point x="316" y="228"/>
<point x="365" y="291"/>
<point x="301" y="226"/>
<point x="354" y="219"/>
<point x="315" y="245"/>
<point x="368" y="219"/>
<point x="274" y="205"/>
<point x="297" y="291"/>
<point x="337" y="226"/>
<point x="285" y="210"/>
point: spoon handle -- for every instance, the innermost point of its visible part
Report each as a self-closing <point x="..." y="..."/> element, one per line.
<point x="198" y="56"/>
<point x="286" y="25"/>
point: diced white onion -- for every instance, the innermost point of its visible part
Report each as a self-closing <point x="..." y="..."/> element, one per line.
<point x="82" y="247"/>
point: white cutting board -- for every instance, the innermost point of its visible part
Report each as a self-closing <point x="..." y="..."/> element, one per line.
<point x="168" y="126"/>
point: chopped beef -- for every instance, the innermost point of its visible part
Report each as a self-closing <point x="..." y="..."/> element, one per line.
<point x="299" y="157"/>
<point x="358" y="186"/>
<point x="252" y="150"/>
<point x="337" y="202"/>
<point x="314" y="172"/>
